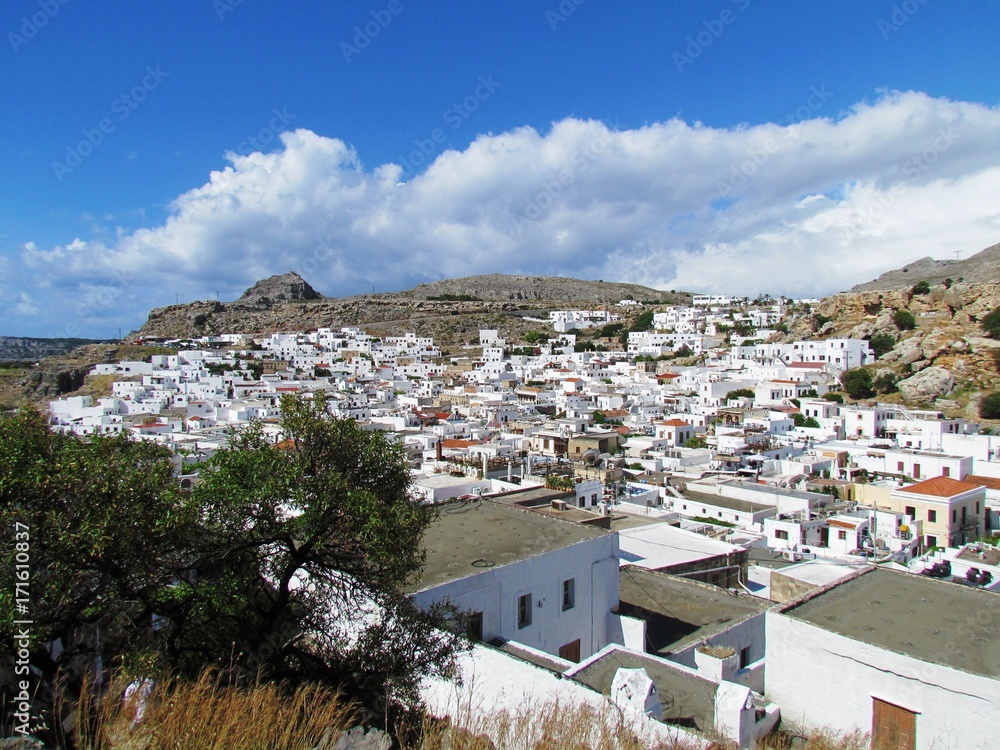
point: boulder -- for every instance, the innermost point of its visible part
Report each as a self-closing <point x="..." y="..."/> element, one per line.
<point x="927" y="385"/>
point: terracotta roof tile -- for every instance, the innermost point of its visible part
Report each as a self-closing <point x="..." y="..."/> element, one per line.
<point x="940" y="487"/>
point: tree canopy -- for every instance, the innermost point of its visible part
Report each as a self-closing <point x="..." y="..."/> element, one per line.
<point x="289" y="560"/>
<point x="857" y="383"/>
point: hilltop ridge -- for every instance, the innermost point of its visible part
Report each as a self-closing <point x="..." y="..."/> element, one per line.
<point x="983" y="267"/>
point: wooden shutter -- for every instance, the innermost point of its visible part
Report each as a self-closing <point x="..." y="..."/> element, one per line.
<point x="893" y="727"/>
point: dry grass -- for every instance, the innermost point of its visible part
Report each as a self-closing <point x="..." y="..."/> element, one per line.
<point x="207" y="715"/>
<point x="204" y="715"/>
<point x="551" y="726"/>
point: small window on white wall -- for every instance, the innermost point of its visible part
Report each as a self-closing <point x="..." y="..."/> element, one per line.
<point x="568" y="594"/>
<point x="523" y="611"/>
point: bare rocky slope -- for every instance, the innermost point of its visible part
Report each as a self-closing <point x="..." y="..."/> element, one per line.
<point x="452" y="310"/>
<point x="984" y="266"/>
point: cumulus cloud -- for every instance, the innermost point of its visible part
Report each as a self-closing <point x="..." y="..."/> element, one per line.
<point x="799" y="208"/>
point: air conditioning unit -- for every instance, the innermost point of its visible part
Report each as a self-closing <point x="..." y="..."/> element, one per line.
<point x="559" y="505"/>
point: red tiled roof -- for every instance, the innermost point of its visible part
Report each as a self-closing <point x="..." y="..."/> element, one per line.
<point x="456" y="443"/>
<point x="940" y="487"/>
<point x="808" y="365"/>
<point x="989" y="483"/>
<point x="845" y="524"/>
<point x="676" y="423"/>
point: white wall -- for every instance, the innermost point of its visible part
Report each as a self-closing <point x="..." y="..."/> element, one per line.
<point x="495" y="591"/>
<point x="820" y="678"/>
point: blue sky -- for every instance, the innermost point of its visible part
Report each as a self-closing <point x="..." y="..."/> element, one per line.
<point x="182" y="149"/>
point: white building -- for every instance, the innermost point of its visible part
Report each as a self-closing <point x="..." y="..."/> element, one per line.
<point x="912" y="660"/>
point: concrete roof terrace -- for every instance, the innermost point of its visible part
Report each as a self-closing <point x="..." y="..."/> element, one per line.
<point x="680" y="612"/>
<point x="469" y="537"/>
<point x="935" y="621"/>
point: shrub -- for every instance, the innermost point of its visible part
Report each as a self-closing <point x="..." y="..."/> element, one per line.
<point x="886" y="383"/>
<point x="991" y="324"/>
<point x="819" y="320"/>
<point x="904" y="320"/>
<point x="857" y="383"/>
<point x="921" y="287"/>
<point x="835" y="397"/>
<point x="881" y="343"/>
<point x="740" y="393"/>
<point x="989" y="407"/>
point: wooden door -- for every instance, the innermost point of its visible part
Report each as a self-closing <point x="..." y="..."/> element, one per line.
<point x="571" y="651"/>
<point x="893" y="727"/>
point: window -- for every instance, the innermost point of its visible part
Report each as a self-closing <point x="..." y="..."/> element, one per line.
<point x="911" y="511"/>
<point x="523" y="611"/>
<point x="744" y="657"/>
<point x="954" y="516"/>
<point x="916" y="471"/>
<point x="946" y="472"/>
<point x="781" y="534"/>
<point x="977" y="506"/>
<point x="899" y="466"/>
<point x="932" y="541"/>
<point x="569" y="594"/>
<point x="842" y="535"/>
<point x="932" y="516"/>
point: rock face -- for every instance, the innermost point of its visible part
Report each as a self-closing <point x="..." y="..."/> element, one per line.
<point x="927" y="385"/>
<point x="984" y="266"/>
<point x="288" y="287"/>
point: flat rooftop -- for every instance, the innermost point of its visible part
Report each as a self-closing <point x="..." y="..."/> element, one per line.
<point x="680" y="612"/>
<point x="741" y="506"/>
<point x="662" y="545"/>
<point x="935" y="621"/>
<point x="470" y="537"/>
<point x="687" y="699"/>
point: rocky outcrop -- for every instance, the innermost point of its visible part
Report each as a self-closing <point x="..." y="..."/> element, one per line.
<point x="927" y="385"/>
<point x="288" y="287"/>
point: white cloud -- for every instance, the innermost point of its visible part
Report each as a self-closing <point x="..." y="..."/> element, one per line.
<point x="806" y="208"/>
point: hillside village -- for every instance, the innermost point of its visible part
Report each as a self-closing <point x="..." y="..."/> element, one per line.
<point x="674" y="507"/>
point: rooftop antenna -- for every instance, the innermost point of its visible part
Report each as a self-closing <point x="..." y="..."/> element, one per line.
<point x="177" y="298"/>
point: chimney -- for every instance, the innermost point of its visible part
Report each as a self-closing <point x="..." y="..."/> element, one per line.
<point x="438" y="451"/>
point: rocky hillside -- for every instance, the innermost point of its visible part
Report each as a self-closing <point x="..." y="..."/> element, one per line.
<point x="23" y="349"/>
<point x="498" y="287"/>
<point x="946" y="359"/>
<point x="451" y="311"/>
<point x="984" y="266"/>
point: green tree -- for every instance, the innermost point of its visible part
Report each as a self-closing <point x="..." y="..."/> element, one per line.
<point x="991" y="323"/>
<point x="881" y="343"/>
<point x="696" y="441"/>
<point x="904" y="320"/>
<point x="103" y="527"/>
<point x="533" y="337"/>
<point x="921" y="287"/>
<point x="740" y="393"/>
<point x="643" y="321"/>
<point x="289" y="560"/>
<point x="989" y="407"/>
<point x="835" y="397"/>
<point x="857" y="383"/>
